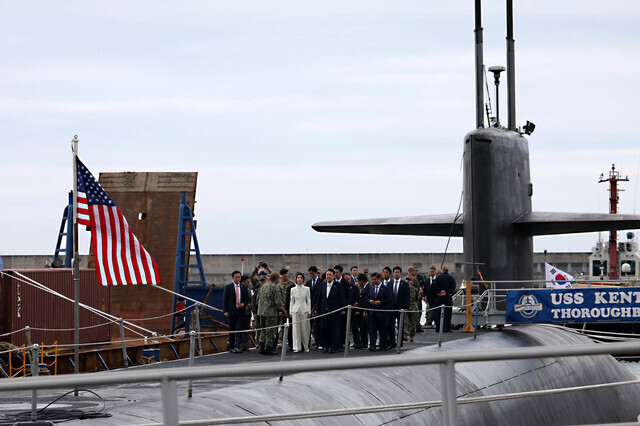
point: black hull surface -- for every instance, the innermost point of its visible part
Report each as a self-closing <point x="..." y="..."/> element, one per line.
<point x="358" y="388"/>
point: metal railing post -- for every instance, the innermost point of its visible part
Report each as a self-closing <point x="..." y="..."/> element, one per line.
<point x="285" y="333"/>
<point x="469" y="303"/>
<point x="400" y="331"/>
<point x="441" y="325"/>
<point x="192" y="344"/>
<point x="169" y="398"/>
<point x="199" y="333"/>
<point x="124" y="344"/>
<point x="346" y="334"/>
<point x="35" y="371"/>
<point x="475" y="325"/>
<point x="448" y="393"/>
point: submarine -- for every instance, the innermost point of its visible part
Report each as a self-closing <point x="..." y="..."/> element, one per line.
<point x="497" y="223"/>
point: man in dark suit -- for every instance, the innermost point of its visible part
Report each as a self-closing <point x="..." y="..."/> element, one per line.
<point x="235" y="297"/>
<point x="330" y="298"/>
<point x="361" y="315"/>
<point x="312" y="283"/>
<point x="354" y="296"/>
<point x="427" y="294"/>
<point x="400" y="295"/>
<point x="346" y="287"/>
<point x="443" y="288"/>
<point x="379" y="299"/>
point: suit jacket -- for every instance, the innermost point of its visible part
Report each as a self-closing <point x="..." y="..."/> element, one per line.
<point x="287" y="297"/>
<point x="313" y="290"/>
<point x="346" y="287"/>
<point x="335" y="299"/>
<point x="300" y="299"/>
<point x="428" y="289"/>
<point x="384" y="296"/>
<point x="354" y="294"/>
<point x="444" y="282"/>
<point x="229" y="298"/>
<point x="403" y="298"/>
<point x="363" y="298"/>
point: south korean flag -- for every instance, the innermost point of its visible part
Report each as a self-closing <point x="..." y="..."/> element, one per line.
<point x="557" y="278"/>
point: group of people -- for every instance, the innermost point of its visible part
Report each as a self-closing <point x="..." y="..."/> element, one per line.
<point x="317" y="307"/>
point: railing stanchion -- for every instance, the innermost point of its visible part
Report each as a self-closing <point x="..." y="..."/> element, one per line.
<point x="448" y="393"/>
<point x="441" y="325"/>
<point x="169" y="402"/>
<point x="192" y="349"/>
<point x="346" y="334"/>
<point x="198" y="330"/>
<point x="124" y="344"/>
<point x="35" y="370"/>
<point x="400" y="331"/>
<point x="475" y="325"/>
<point x="285" y="333"/>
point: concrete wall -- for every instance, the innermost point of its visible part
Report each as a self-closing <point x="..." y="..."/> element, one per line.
<point x="218" y="267"/>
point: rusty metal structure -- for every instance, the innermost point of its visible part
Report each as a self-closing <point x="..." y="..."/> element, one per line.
<point x="50" y="317"/>
<point x="150" y="201"/>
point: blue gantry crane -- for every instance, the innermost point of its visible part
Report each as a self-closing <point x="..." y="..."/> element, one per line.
<point x="182" y="284"/>
<point x="66" y="231"/>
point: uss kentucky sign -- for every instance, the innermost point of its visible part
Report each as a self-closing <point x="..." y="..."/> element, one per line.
<point x="574" y="305"/>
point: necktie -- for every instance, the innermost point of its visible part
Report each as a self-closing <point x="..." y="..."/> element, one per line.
<point x="328" y="289"/>
<point x="395" y="289"/>
<point x="237" y="296"/>
<point x="376" y="292"/>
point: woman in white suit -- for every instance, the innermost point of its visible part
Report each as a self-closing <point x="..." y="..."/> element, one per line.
<point x="300" y="310"/>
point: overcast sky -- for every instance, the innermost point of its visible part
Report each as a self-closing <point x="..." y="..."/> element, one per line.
<point x="294" y="112"/>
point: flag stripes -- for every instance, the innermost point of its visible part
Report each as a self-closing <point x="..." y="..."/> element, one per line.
<point x="120" y="258"/>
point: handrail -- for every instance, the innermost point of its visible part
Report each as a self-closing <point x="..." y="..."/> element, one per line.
<point x="267" y="368"/>
<point x="446" y="359"/>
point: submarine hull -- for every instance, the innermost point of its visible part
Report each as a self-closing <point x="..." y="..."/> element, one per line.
<point x="376" y="387"/>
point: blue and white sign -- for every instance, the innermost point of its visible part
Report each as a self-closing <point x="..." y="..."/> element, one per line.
<point x="574" y="305"/>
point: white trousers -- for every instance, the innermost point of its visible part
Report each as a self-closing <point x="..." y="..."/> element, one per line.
<point x="301" y="330"/>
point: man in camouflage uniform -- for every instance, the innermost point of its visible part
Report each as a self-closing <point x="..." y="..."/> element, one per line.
<point x="258" y="282"/>
<point x="270" y="307"/>
<point x="412" y="318"/>
<point x="285" y="286"/>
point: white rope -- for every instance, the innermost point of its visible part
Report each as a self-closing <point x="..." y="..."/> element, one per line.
<point x="110" y="317"/>
<point x="197" y="302"/>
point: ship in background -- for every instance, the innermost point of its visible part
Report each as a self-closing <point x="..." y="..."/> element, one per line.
<point x="613" y="261"/>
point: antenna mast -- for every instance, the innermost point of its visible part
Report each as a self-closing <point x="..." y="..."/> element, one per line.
<point x="613" y="179"/>
<point x="479" y="66"/>
<point x="511" y="68"/>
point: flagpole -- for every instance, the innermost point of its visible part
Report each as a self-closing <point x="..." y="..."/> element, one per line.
<point x="76" y="264"/>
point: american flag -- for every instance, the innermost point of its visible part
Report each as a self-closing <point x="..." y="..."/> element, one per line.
<point x="120" y="258"/>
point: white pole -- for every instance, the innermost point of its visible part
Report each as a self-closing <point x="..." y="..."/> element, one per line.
<point x="76" y="263"/>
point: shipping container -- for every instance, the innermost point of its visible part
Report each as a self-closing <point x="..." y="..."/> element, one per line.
<point x="50" y="317"/>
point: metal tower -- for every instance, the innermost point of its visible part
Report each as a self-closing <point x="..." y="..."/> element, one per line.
<point x="613" y="179"/>
<point x="66" y="230"/>
<point x="186" y="234"/>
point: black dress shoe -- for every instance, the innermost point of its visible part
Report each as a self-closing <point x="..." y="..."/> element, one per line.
<point x="372" y="349"/>
<point x="419" y="330"/>
<point x="333" y="351"/>
<point x="325" y="350"/>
